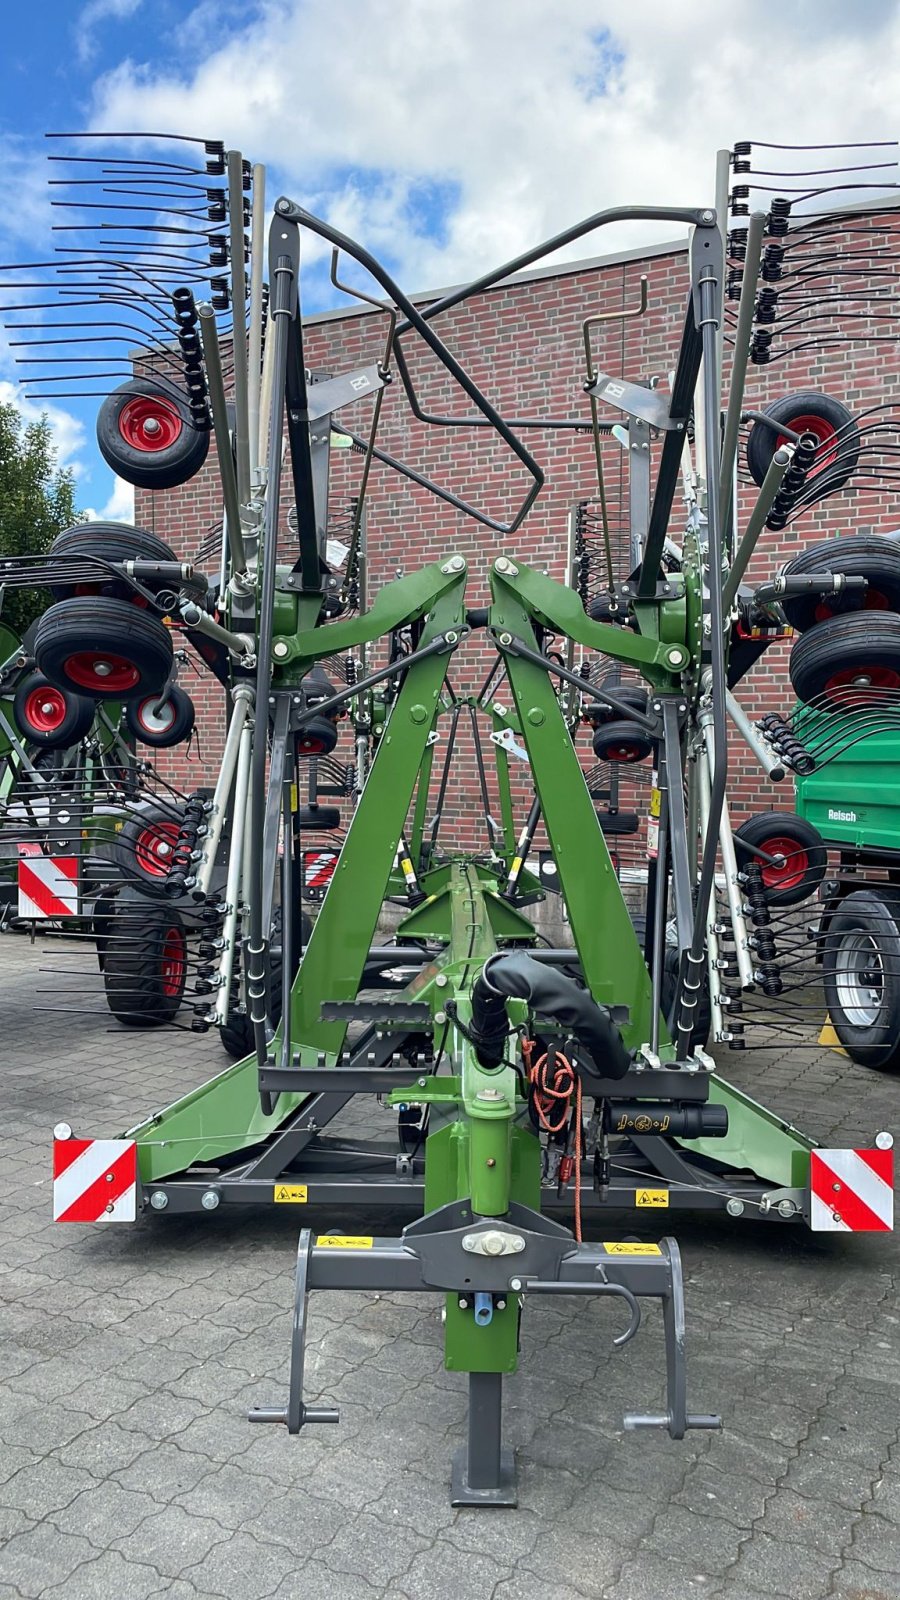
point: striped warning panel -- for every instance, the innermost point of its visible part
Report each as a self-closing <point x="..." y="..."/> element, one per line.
<point x="48" y="886"/>
<point x="851" y="1191"/>
<point x="94" y="1180"/>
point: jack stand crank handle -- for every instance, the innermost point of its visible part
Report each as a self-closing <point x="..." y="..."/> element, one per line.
<point x="636" y="1419"/>
<point x="308" y="1414"/>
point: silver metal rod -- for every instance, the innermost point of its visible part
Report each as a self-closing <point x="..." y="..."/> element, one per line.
<point x="193" y="616"/>
<point x="265" y="401"/>
<point x="739" y="360"/>
<point x="723" y="180"/>
<point x="243" y="704"/>
<point x="729" y="864"/>
<point x="216" y="385"/>
<point x="771" y="764"/>
<point x="771" y="484"/>
<point x="239" y="321"/>
<point x="257" y="256"/>
<point x="712" y="940"/>
<point x="234" y="876"/>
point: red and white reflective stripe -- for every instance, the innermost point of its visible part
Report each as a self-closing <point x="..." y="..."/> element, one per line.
<point x="851" y="1191"/>
<point x="319" y="867"/>
<point x="48" y="886"/>
<point x="94" y="1180"/>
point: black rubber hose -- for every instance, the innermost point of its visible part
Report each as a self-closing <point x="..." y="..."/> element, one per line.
<point x="552" y="993"/>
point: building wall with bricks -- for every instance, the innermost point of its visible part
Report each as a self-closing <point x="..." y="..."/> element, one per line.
<point x="523" y="345"/>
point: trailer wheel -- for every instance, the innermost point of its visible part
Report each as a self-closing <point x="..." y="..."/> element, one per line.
<point x="317" y="738"/>
<point x="144" y="849"/>
<point x="621" y="741"/>
<point x="236" y="1033"/>
<point x="106" y="648"/>
<point x="629" y="693"/>
<point x="145" y="432"/>
<point x="50" y="716"/>
<point x="861" y="978"/>
<point x="799" y="847"/>
<point x="808" y="412"/>
<point x="850" y="662"/>
<point x="110" y="541"/>
<point x="876" y="559"/>
<point x="144" y="964"/>
<point x="161" y="726"/>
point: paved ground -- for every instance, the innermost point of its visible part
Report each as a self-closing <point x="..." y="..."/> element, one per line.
<point x="130" y="1355"/>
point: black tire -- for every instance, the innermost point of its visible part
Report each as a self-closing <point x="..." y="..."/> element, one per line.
<point x="110" y="541"/>
<point x="849" y="661"/>
<point x="630" y="694"/>
<point x="165" y="727"/>
<point x="876" y="559"/>
<point x="317" y="738"/>
<point x="797" y="842"/>
<point x="236" y="1033"/>
<point x="164" y="459"/>
<point x="809" y="412"/>
<point x="105" y="648"/>
<point x="622" y="741"/>
<point x="317" y="819"/>
<point x="861" y="977"/>
<point x="144" y="848"/>
<point x="49" y="716"/>
<point x="144" y="964"/>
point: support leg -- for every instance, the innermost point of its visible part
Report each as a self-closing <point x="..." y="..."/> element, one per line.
<point x="484" y="1473"/>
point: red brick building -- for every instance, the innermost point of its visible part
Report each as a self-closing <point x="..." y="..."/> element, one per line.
<point x="522" y="343"/>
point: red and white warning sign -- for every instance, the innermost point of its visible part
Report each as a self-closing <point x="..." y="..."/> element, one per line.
<point x="318" y="871"/>
<point x="94" y="1180"/>
<point x="48" y="886"/>
<point x="851" y="1191"/>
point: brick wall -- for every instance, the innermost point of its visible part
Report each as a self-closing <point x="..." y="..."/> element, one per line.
<point x="523" y="346"/>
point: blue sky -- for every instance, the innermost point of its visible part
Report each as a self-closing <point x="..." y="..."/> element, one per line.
<point x="446" y="137"/>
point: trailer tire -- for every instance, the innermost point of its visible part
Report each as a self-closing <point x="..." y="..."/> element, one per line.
<point x="808" y="412"/>
<point x="861" y="978"/>
<point x="782" y="833"/>
<point x="51" y="717"/>
<point x="172" y="724"/>
<point x="848" y="662"/>
<point x="105" y="648"/>
<point x="163" y="458"/>
<point x="110" y="541"/>
<point x="145" y="964"/>
<point x="630" y="694"/>
<point x="144" y="849"/>
<point x="875" y="559"/>
<point x="622" y="741"/>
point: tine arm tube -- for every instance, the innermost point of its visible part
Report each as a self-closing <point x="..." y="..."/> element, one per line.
<point x="235" y="874"/>
<point x="216" y="385"/>
<point x="739" y="361"/>
<point x="257" y="246"/>
<point x="242" y="705"/>
<point x="771" y="484"/>
<point x="239" y="321"/>
<point x="772" y="766"/>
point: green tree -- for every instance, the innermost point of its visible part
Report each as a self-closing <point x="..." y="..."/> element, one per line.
<point x="37" y="501"/>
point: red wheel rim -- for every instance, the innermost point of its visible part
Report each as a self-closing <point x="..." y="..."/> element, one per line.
<point x="154" y="848"/>
<point x="309" y="745"/>
<point x="149" y="423"/>
<point x="624" y="752"/>
<point x="171" y="963"/>
<point x="861" y="686"/>
<point x="791" y="871"/>
<point x="45" y="709"/>
<point x="98" y="670"/>
<point x="825" y="434"/>
<point x="873" y="600"/>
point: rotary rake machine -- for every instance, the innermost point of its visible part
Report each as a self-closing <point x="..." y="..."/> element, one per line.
<point x="534" y="1087"/>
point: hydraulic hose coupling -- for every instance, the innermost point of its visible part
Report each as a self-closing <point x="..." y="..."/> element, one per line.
<point x="551" y="994"/>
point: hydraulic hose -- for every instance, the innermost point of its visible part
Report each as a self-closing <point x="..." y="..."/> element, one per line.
<point x="552" y="993"/>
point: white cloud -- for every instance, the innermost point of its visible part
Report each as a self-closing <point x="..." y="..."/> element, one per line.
<point x="92" y="15"/>
<point x="532" y="114"/>
<point x="66" y="431"/>
<point x="119" y="507"/>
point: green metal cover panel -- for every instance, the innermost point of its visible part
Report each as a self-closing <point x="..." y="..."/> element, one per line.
<point x="854" y="798"/>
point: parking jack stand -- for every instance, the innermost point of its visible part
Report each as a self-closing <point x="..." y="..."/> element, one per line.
<point x="484" y="1471"/>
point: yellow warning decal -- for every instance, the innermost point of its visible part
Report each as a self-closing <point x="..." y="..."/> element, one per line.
<point x="651" y="1197"/>
<point x="345" y="1241"/>
<point x="655" y="802"/>
<point x="290" y="1194"/>
<point x="632" y="1249"/>
<point x="295" y="798"/>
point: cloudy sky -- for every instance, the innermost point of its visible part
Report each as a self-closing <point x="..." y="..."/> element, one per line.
<point x="446" y="134"/>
